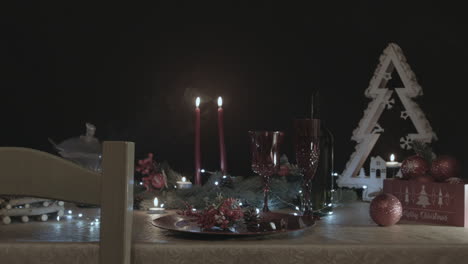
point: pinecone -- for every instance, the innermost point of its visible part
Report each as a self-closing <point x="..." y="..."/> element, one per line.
<point x="251" y="219"/>
<point x="226" y="182"/>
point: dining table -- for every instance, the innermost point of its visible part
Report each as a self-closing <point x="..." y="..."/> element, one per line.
<point x="348" y="235"/>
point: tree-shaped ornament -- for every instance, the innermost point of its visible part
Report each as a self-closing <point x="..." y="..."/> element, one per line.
<point x="369" y="130"/>
<point x="423" y="199"/>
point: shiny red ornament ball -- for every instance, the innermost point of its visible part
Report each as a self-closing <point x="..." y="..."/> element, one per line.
<point x="414" y="166"/>
<point x="386" y="209"/>
<point x="445" y="167"/>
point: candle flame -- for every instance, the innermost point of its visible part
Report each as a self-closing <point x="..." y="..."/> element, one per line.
<point x="184" y="179"/>
<point x="392" y="158"/>
<point x="197" y="102"/>
<point x="220" y="101"/>
<point x="156" y="202"/>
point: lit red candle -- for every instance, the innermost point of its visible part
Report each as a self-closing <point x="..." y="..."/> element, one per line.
<point x="198" y="180"/>
<point x="222" y="147"/>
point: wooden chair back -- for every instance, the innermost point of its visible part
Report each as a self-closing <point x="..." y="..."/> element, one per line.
<point x="31" y="172"/>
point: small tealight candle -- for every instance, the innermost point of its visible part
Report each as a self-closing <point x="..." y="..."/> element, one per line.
<point x="184" y="184"/>
<point x="156" y="209"/>
<point x="392" y="163"/>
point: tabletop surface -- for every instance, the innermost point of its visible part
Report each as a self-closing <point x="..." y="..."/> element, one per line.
<point x="347" y="234"/>
<point x="350" y="224"/>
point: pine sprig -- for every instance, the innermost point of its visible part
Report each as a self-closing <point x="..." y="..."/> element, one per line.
<point x="423" y="150"/>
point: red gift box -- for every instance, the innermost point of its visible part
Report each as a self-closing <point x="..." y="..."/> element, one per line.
<point x="431" y="202"/>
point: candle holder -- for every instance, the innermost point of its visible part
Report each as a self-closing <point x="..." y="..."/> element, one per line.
<point x="184" y="184"/>
<point x="157" y="209"/>
<point x="392" y="166"/>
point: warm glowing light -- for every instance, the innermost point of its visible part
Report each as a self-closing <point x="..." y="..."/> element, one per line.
<point x="220" y="101"/>
<point x="156" y="202"/>
<point x="184" y="179"/>
<point x="197" y="102"/>
<point x="392" y="158"/>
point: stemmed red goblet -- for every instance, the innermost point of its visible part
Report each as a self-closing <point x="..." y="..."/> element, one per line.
<point x="307" y="149"/>
<point x="265" y="150"/>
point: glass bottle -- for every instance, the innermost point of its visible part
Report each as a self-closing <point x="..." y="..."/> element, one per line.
<point x="322" y="184"/>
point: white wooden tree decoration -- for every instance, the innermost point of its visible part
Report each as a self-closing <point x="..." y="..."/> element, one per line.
<point x="368" y="131"/>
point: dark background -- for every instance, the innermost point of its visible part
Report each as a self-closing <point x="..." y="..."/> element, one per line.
<point x="134" y="71"/>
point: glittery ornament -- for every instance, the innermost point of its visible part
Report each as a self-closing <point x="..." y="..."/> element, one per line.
<point x="445" y="167"/>
<point x="414" y="166"/>
<point x="386" y="209"/>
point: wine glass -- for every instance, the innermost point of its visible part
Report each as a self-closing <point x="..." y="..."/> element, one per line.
<point x="306" y="146"/>
<point x="265" y="150"/>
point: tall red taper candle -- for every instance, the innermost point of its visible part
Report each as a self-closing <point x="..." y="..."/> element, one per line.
<point x="198" y="180"/>
<point x="222" y="147"/>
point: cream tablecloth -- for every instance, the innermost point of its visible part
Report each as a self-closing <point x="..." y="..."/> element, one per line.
<point x="348" y="236"/>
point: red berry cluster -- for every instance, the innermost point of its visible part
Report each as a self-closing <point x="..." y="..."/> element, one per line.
<point x="154" y="179"/>
<point x="223" y="216"/>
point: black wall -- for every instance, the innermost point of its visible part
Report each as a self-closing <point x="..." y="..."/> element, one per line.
<point x="134" y="71"/>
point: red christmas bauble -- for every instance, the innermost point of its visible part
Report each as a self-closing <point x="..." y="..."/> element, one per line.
<point x="386" y="209"/>
<point x="423" y="178"/>
<point x="414" y="166"/>
<point x="445" y="167"/>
